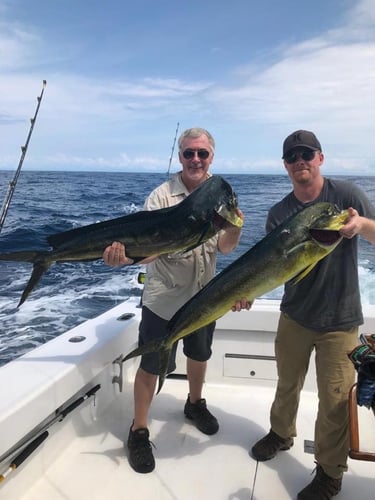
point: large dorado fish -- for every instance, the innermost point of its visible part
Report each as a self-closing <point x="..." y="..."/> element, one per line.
<point x="290" y="251"/>
<point x="209" y="208"/>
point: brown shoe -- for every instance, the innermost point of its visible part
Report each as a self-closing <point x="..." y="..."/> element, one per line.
<point x="269" y="446"/>
<point x="322" y="487"/>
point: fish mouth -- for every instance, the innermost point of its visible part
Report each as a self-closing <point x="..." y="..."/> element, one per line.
<point x="330" y="234"/>
<point x="229" y="215"/>
<point x="325" y="237"/>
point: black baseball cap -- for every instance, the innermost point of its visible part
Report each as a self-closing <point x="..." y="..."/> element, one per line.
<point x="303" y="138"/>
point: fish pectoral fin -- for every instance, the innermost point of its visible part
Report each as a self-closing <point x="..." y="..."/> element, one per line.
<point x="201" y="240"/>
<point x="302" y="274"/>
<point x="296" y="248"/>
<point x="39" y="269"/>
<point x="163" y="367"/>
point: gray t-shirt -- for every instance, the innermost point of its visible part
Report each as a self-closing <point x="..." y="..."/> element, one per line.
<point x="328" y="298"/>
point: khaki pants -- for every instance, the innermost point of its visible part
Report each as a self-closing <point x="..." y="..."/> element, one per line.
<point x="335" y="375"/>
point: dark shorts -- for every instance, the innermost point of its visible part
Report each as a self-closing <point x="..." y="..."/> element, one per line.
<point x="197" y="346"/>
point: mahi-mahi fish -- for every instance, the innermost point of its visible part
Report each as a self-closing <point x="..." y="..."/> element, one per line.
<point x="211" y="207"/>
<point x="289" y="252"/>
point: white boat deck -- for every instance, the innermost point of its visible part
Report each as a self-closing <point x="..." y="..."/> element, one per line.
<point x="189" y="464"/>
<point x="84" y="457"/>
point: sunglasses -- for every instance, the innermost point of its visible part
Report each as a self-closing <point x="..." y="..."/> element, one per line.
<point x="306" y="155"/>
<point x="203" y="154"/>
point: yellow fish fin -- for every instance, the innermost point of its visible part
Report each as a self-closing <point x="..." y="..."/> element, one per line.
<point x="302" y="274"/>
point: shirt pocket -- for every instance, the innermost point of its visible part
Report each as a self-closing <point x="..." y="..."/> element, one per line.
<point x="179" y="256"/>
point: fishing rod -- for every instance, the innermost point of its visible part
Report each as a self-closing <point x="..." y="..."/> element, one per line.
<point x="142" y="276"/>
<point x="13" y="182"/>
<point x="174" y="142"/>
<point x="43" y="434"/>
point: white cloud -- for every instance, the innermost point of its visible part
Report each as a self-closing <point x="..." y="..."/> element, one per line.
<point x="17" y="45"/>
<point x="324" y="83"/>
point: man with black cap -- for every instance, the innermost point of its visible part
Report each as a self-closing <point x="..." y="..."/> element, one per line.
<point x="321" y="312"/>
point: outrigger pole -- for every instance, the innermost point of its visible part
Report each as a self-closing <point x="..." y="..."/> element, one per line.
<point x="13" y="182"/>
<point x="43" y="434"/>
<point x="174" y="142"/>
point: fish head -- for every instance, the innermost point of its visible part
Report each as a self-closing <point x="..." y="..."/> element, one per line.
<point x="326" y="221"/>
<point x="313" y="232"/>
<point x="309" y="236"/>
<point x="225" y="204"/>
<point x="214" y="202"/>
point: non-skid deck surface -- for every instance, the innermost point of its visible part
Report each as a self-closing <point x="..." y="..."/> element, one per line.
<point x="190" y="465"/>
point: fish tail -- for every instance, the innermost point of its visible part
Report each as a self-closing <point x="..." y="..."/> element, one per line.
<point x="40" y="266"/>
<point x="163" y="367"/>
<point x="163" y="348"/>
<point x="39" y="269"/>
<point x="152" y="346"/>
<point x="26" y="256"/>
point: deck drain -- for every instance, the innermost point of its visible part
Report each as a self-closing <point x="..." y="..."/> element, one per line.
<point x="308" y="446"/>
<point x="125" y="316"/>
<point x="77" y="338"/>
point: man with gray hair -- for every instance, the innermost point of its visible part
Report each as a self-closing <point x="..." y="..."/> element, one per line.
<point x="171" y="281"/>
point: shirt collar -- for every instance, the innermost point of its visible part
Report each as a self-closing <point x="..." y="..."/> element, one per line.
<point x="178" y="187"/>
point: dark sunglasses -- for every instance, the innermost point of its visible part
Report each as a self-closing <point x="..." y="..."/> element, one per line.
<point x="203" y="154"/>
<point x="306" y="155"/>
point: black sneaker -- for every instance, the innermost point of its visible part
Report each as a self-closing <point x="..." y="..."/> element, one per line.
<point x="203" y="419"/>
<point x="269" y="446"/>
<point x="322" y="487"/>
<point x="140" y="451"/>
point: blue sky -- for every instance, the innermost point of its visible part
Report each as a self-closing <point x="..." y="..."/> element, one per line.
<point x="121" y="75"/>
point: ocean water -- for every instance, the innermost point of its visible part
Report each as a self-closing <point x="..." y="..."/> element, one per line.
<point x="46" y="203"/>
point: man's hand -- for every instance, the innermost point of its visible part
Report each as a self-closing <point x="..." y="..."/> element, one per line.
<point x="353" y="225"/>
<point x="114" y="255"/>
<point x="241" y="304"/>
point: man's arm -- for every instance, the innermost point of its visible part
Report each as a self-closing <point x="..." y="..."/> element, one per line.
<point x="229" y="238"/>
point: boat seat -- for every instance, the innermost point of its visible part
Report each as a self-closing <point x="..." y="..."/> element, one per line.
<point x="354" y="451"/>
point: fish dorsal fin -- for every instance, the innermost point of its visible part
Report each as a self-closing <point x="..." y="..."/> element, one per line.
<point x="302" y="274"/>
<point x="56" y="240"/>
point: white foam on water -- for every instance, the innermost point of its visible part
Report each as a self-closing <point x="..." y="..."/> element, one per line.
<point x="367" y="285"/>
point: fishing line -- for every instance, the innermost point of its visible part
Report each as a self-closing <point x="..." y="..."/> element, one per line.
<point x="13" y="182"/>
<point x="255" y="477"/>
<point x="142" y="275"/>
